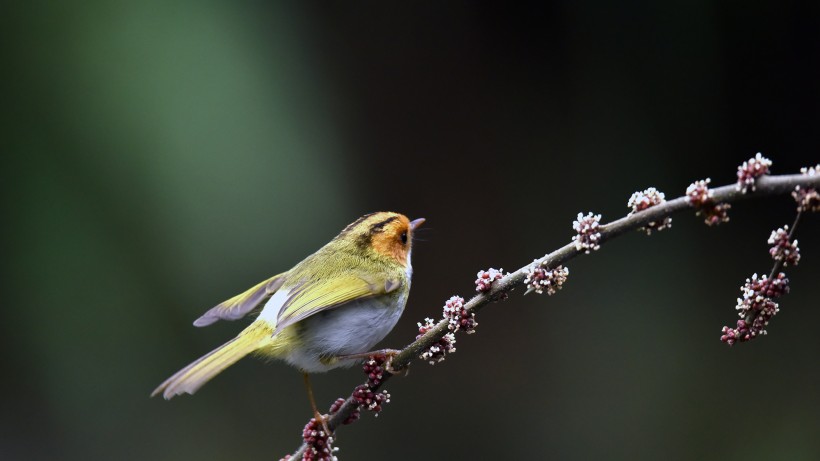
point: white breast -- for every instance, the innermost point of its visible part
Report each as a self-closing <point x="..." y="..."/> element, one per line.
<point x="353" y="328"/>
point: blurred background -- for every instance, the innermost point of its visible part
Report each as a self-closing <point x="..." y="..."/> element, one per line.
<point x="160" y="157"/>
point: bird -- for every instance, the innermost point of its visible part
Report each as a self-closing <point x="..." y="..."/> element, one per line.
<point x="328" y="311"/>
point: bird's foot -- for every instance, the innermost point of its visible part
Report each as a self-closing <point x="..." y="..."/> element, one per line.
<point x="387" y="354"/>
<point x="322" y="419"/>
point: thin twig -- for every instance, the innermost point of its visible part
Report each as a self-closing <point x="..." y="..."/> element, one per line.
<point x="765" y="186"/>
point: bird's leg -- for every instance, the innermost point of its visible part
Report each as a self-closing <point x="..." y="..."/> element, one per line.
<point x="388" y="354"/>
<point x="316" y="413"/>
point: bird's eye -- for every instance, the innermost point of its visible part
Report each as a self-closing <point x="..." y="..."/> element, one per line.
<point x="403" y="238"/>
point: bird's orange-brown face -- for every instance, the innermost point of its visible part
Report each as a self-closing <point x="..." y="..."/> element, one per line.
<point x="391" y="235"/>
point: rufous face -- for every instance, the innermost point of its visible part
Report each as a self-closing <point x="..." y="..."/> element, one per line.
<point x="392" y="237"/>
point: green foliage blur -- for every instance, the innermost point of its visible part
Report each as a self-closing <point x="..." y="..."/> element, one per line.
<point x="160" y="157"/>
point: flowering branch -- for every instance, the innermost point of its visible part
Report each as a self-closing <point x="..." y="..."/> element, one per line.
<point x="650" y="212"/>
<point x="756" y="307"/>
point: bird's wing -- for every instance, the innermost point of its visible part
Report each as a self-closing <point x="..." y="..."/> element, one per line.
<point x="314" y="296"/>
<point x="238" y="306"/>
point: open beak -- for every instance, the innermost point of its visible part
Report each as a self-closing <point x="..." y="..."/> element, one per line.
<point x="416" y="223"/>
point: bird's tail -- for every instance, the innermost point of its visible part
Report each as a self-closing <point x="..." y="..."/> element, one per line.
<point x="258" y="335"/>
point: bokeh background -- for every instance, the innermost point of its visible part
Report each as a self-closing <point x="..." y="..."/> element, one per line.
<point x="160" y="157"/>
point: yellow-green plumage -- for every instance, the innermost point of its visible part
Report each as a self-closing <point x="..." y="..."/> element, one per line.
<point x="340" y="300"/>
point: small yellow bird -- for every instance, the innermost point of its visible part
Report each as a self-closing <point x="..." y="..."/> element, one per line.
<point x="326" y="312"/>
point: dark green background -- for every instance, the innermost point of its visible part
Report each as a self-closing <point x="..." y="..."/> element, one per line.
<point x="159" y="157"/>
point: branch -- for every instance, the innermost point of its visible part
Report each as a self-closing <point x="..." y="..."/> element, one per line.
<point x="764" y="186"/>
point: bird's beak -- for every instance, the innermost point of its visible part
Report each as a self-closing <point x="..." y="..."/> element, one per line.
<point x="416" y="223"/>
